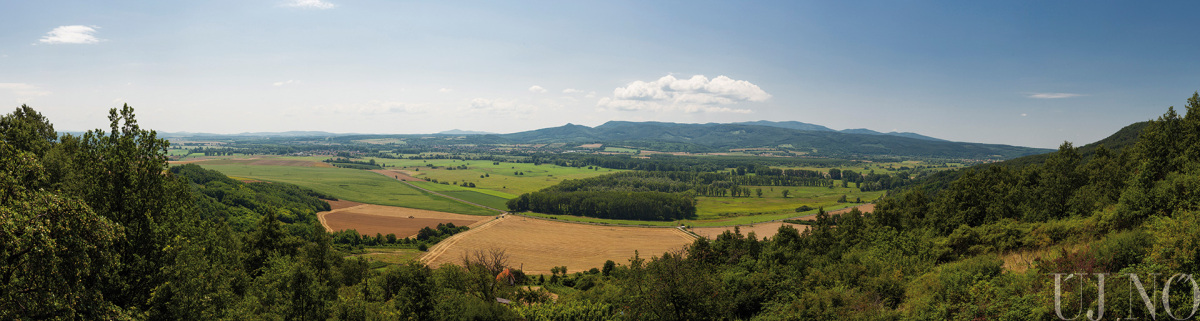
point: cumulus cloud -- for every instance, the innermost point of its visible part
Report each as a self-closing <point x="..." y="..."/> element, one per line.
<point x="537" y="89"/>
<point x="76" y="34"/>
<point x="309" y="4"/>
<point x="445" y="90"/>
<point x="571" y="91"/>
<point x="1053" y="95"/>
<point x="287" y="82"/>
<point x="696" y="94"/>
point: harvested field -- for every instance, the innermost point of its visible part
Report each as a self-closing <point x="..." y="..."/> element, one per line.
<point x="404" y="222"/>
<point x="761" y="230"/>
<point x="397" y="174"/>
<point x="537" y="245"/>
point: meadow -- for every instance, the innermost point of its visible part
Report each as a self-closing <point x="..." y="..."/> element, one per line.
<point x="351" y="184"/>
<point x="773" y="202"/>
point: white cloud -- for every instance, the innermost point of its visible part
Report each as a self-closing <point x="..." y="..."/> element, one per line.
<point x="287" y="82"/>
<point x="537" y="89"/>
<point x="309" y="4"/>
<point x="71" y="34"/>
<point x="590" y="95"/>
<point x="445" y="90"/>
<point x="1024" y="114"/>
<point x="696" y="94"/>
<point x="570" y="91"/>
<point x="1053" y="95"/>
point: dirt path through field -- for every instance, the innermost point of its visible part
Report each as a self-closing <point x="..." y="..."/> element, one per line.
<point x="397" y="174"/>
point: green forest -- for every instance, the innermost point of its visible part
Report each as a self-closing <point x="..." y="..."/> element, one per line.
<point x="98" y="227"/>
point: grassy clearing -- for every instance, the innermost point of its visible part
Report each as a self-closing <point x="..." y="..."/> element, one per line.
<point x="351" y="184"/>
<point x="390" y="255"/>
<point x="773" y="202"/>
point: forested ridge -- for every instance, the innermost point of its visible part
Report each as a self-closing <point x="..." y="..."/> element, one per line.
<point x="94" y="227"/>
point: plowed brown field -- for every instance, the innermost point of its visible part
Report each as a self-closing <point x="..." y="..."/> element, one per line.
<point x="404" y="222"/>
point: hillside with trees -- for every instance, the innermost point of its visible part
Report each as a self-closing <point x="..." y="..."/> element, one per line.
<point x="96" y="227"/>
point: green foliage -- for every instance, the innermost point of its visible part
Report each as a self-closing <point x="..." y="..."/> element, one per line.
<point x="567" y="310"/>
<point x="615" y="205"/>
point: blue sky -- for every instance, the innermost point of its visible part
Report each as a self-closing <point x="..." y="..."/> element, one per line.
<point x="1023" y="73"/>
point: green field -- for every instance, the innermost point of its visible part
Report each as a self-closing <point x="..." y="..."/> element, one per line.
<point x="353" y="185"/>
<point x="474" y="195"/>
<point x="773" y="202"/>
<point x="620" y="150"/>
<point x="501" y="178"/>
<point x="480" y="198"/>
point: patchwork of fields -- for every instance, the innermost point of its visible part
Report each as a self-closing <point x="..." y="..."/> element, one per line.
<point x="383" y="201"/>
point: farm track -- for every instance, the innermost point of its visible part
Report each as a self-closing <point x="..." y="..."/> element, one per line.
<point x="321" y="215"/>
<point x="440" y="194"/>
<point x="441" y="247"/>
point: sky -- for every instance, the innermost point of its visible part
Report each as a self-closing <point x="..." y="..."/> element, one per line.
<point x="1027" y="73"/>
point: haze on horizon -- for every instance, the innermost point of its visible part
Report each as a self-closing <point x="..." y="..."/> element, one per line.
<point x="1021" y="73"/>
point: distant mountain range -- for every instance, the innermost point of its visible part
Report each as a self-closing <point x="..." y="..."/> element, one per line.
<point x="463" y="132"/>
<point x="813" y="127"/>
<point x="797" y="137"/>
<point x="800" y="137"/>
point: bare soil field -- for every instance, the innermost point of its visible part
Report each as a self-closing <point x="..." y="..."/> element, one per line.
<point x="537" y="245"/>
<point x="397" y="174"/>
<point x="404" y="222"/>
<point x="761" y="230"/>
